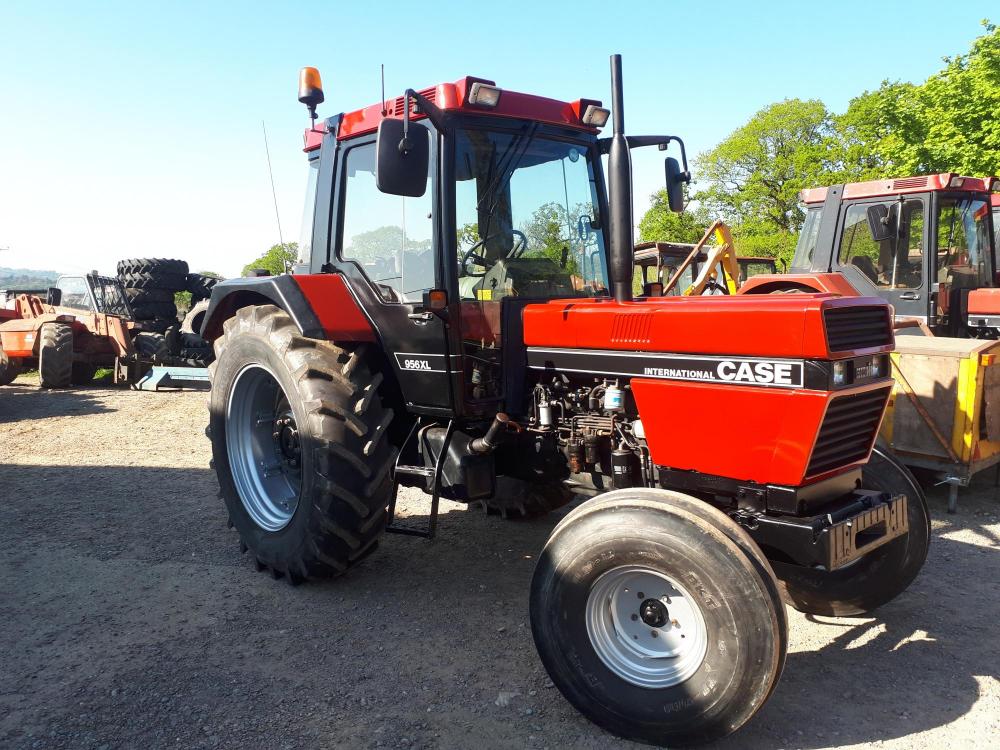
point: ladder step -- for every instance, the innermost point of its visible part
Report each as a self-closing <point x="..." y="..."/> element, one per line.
<point x="417" y="471"/>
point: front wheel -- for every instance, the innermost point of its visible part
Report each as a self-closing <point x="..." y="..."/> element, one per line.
<point x="299" y="442"/>
<point x="55" y="355"/>
<point x="657" y="621"/>
<point x="879" y="576"/>
<point x="10" y="368"/>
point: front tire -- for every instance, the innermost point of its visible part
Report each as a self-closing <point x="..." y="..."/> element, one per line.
<point x="300" y="447"/>
<point x="879" y="576"/>
<point x="653" y="622"/>
<point x="9" y="368"/>
<point x="55" y="355"/>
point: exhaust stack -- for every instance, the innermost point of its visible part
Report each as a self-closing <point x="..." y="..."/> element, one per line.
<point x="619" y="192"/>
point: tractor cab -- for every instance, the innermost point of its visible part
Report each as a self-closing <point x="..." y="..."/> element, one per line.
<point x="91" y="293"/>
<point x="657" y="262"/>
<point x="445" y="211"/>
<point x="923" y="243"/>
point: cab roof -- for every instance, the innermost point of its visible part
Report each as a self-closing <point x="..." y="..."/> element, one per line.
<point x="903" y="186"/>
<point x="455" y="97"/>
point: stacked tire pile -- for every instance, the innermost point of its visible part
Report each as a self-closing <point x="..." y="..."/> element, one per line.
<point x="151" y="285"/>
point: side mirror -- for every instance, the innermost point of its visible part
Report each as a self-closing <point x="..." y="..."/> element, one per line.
<point x="879" y="224"/>
<point x="54" y="296"/>
<point x="401" y="163"/>
<point x="675" y="185"/>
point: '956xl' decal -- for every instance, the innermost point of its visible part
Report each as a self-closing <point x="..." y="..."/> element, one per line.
<point x="780" y="373"/>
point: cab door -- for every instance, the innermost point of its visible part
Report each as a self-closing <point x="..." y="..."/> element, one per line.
<point x="386" y="247"/>
<point x="895" y="269"/>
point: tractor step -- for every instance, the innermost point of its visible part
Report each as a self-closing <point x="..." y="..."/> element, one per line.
<point x="434" y="474"/>
<point x="416" y="471"/>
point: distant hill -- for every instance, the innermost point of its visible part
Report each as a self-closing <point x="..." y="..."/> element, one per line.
<point x="25" y="278"/>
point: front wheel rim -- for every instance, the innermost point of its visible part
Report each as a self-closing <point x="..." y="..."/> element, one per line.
<point x="645" y="627"/>
<point x="262" y="444"/>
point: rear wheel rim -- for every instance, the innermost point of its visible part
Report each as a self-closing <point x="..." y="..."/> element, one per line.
<point x="645" y="627"/>
<point x="262" y="444"/>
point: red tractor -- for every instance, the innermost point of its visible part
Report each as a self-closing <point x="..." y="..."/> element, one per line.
<point x="925" y="244"/>
<point x="461" y="320"/>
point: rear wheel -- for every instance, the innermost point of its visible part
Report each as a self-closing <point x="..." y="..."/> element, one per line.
<point x="55" y="356"/>
<point x="653" y="621"/>
<point x="879" y="576"/>
<point x="299" y="442"/>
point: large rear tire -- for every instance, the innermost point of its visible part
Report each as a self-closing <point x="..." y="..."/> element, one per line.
<point x="300" y="446"/>
<point x="657" y="618"/>
<point x="879" y="576"/>
<point x="55" y="355"/>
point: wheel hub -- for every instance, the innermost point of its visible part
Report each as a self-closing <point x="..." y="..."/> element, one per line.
<point x="653" y="613"/>
<point x="286" y="437"/>
<point x="637" y="636"/>
<point x="263" y="447"/>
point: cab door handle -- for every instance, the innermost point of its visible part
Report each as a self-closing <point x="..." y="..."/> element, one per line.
<point x="420" y="317"/>
<point x="909" y="295"/>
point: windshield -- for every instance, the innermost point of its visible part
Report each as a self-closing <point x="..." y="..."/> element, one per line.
<point x="963" y="234"/>
<point x="807" y="241"/>
<point x="526" y="216"/>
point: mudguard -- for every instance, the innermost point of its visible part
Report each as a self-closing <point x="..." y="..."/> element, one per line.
<point x="320" y="305"/>
<point x="826" y="283"/>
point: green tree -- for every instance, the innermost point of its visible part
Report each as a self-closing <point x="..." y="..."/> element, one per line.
<point x="948" y="123"/>
<point x="275" y="259"/>
<point x="660" y="224"/>
<point x="755" y="174"/>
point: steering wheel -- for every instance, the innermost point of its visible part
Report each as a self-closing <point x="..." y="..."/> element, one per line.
<point x="519" y="247"/>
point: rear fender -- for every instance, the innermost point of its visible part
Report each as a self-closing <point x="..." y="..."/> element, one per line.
<point x="824" y="283"/>
<point x="321" y="305"/>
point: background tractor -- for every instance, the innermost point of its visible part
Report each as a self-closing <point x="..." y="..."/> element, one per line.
<point x="462" y="320"/>
<point x="83" y="324"/>
<point x="927" y="245"/>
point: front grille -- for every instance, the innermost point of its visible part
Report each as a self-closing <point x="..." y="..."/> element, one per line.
<point x="848" y="430"/>
<point x="857" y="327"/>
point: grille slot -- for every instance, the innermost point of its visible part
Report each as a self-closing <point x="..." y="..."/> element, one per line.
<point x="848" y="430"/>
<point x="909" y="182"/>
<point x="857" y="327"/>
<point x="631" y="328"/>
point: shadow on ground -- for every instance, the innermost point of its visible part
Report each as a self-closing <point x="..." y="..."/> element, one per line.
<point x="130" y="615"/>
<point x="21" y="402"/>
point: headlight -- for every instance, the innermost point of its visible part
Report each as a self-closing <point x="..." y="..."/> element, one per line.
<point x="839" y="373"/>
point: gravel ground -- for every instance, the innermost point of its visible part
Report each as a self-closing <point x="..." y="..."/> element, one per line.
<point x="130" y="619"/>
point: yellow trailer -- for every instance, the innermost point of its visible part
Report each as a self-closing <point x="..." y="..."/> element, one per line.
<point x="944" y="413"/>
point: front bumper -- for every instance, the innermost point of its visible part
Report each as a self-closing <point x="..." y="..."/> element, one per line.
<point x="852" y="529"/>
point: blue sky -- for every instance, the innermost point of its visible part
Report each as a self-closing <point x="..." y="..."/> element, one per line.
<point x="134" y="129"/>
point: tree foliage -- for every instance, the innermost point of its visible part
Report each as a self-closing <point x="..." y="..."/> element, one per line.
<point x="752" y="179"/>
<point x="660" y="224"/>
<point x="276" y="259"/>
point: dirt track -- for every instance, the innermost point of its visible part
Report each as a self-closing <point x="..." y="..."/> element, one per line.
<point x="129" y="618"/>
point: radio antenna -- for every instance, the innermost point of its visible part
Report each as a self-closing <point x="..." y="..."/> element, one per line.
<point x="274" y="195"/>
<point x="384" y="112"/>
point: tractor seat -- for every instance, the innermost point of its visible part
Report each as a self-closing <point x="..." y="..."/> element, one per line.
<point x="864" y="264"/>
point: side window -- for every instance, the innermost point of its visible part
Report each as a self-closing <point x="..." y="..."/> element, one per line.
<point x="387" y="235"/>
<point x="890" y="264"/>
<point x="75" y="293"/>
<point x="304" y="259"/>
